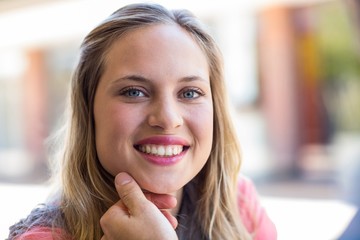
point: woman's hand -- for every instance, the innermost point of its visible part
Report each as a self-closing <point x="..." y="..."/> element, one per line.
<point x="137" y="215"/>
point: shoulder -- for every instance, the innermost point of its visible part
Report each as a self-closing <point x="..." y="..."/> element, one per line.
<point x="44" y="222"/>
<point x="42" y="233"/>
<point x="252" y="213"/>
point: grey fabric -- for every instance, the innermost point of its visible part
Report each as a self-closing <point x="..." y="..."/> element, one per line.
<point x="42" y="216"/>
<point x="189" y="228"/>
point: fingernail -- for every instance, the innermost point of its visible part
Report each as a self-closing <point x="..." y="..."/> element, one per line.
<point x="122" y="178"/>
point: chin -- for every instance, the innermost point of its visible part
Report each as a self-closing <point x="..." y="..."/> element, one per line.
<point x="161" y="188"/>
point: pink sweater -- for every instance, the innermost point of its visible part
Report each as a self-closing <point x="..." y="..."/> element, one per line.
<point x="253" y="215"/>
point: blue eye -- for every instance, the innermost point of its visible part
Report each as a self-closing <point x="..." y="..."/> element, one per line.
<point x="192" y="93"/>
<point x="132" y="92"/>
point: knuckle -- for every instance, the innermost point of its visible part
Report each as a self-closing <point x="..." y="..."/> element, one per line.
<point x="103" y="222"/>
<point x="105" y="219"/>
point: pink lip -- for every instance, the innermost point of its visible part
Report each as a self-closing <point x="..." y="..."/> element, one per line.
<point x="163" y="161"/>
<point x="164" y="140"/>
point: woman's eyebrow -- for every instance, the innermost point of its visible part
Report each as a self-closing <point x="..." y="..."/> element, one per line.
<point x="142" y="79"/>
<point x="132" y="77"/>
<point x="193" y="78"/>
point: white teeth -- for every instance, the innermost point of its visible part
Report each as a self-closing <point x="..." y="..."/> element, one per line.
<point x="153" y="150"/>
<point x="148" y="148"/>
<point x="161" y="150"/>
<point x="170" y="151"/>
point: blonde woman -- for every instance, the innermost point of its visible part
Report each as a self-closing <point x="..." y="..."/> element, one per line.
<point x="149" y="150"/>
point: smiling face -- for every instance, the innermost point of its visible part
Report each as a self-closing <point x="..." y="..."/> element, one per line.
<point x="153" y="108"/>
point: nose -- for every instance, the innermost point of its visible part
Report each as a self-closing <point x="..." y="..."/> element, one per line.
<point x="165" y="114"/>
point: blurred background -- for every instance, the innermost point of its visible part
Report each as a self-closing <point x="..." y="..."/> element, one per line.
<point x="293" y="75"/>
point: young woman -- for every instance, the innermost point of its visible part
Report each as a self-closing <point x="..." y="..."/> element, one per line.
<point x="149" y="150"/>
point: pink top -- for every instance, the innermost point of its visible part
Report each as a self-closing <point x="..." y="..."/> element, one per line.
<point x="252" y="213"/>
<point x="44" y="233"/>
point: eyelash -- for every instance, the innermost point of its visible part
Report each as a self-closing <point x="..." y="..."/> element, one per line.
<point x="125" y="92"/>
<point x="197" y="91"/>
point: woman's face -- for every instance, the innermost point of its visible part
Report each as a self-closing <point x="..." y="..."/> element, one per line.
<point x="153" y="108"/>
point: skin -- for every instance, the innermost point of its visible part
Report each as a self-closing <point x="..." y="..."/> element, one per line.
<point x="134" y="217"/>
<point x="155" y="84"/>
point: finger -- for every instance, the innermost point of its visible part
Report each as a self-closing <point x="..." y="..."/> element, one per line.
<point x="130" y="193"/>
<point x="117" y="211"/>
<point x="162" y="201"/>
<point x="173" y="221"/>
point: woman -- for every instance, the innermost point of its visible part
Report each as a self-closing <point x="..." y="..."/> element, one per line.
<point x="148" y="111"/>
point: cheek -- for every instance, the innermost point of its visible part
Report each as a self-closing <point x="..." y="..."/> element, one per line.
<point x="114" y="122"/>
<point x="201" y="122"/>
<point x="113" y="129"/>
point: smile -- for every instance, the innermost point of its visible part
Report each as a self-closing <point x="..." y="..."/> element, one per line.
<point x="160" y="150"/>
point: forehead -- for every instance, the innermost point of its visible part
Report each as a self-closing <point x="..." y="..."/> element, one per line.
<point x="153" y="42"/>
<point x="155" y="33"/>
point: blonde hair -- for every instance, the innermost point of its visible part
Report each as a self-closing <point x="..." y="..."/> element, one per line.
<point x="87" y="190"/>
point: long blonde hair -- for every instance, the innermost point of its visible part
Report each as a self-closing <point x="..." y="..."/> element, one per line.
<point x="87" y="190"/>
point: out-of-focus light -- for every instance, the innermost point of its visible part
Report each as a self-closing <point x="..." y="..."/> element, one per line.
<point x="309" y="219"/>
<point x="64" y="20"/>
<point x="12" y="64"/>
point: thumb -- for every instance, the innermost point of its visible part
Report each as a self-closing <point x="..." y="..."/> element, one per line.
<point x="130" y="193"/>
